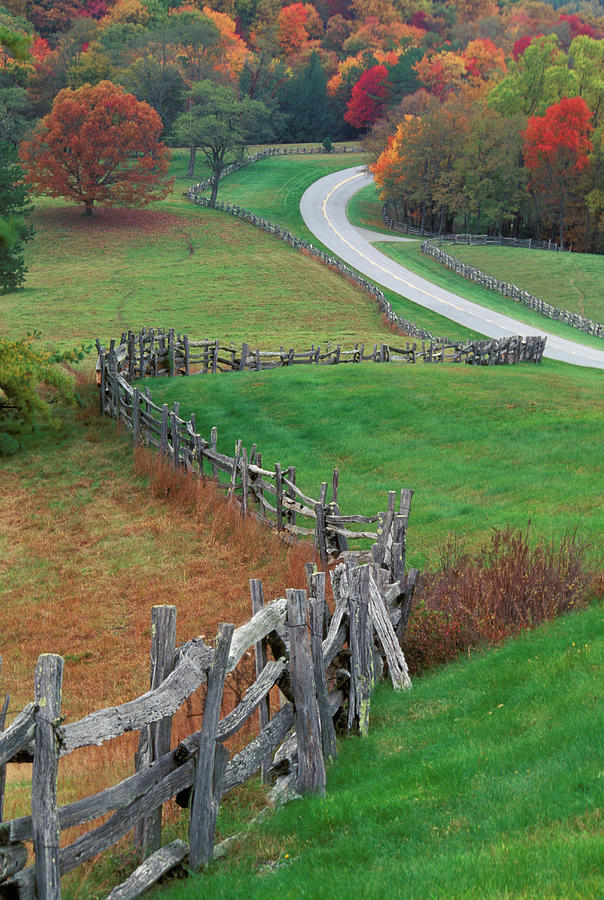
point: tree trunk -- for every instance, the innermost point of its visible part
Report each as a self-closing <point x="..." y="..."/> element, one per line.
<point x="214" y="190"/>
<point x="191" y="168"/>
<point x="561" y="227"/>
<point x="88" y="207"/>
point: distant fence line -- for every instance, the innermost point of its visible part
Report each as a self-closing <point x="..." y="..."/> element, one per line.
<point x="511" y="290"/>
<point x="317" y="682"/>
<point x="474" y="239"/>
<point x="263" y="154"/>
<point x="269" y="494"/>
<point x="489" y="351"/>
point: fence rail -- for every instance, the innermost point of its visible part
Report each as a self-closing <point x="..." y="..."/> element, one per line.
<point x="588" y="326"/>
<point x="271" y="494"/>
<point x="489" y="351"/>
<point x="372" y="604"/>
<point x="473" y="239"/>
<point x="264" y="154"/>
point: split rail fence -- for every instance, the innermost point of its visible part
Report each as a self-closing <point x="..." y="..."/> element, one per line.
<point x="511" y="290"/>
<point x="489" y="351"/>
<point x="271" y="494"/>
<point x="271" y="151"/>
<point x="476" y="239"/>
<point x="325" y="666"/>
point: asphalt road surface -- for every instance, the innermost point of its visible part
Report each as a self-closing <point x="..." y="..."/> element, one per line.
<point x="323" y="208"/>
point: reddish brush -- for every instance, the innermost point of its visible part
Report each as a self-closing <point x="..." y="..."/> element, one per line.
<point x="483" y="598"/>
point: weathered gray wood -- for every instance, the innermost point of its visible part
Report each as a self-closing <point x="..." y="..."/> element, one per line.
<point x="328" y="734"/>
<point x="13" y="858"/>
<point x="212" y="758"/>
<point x="320" y="533"/>
<point x="397" y="665"/>
<point x="3" y="713"/>
<point x="311" y="766"/>
<point x="261" y="657"/>
<point x="317" y="589"/>
<point x="150" y="707"/>
<point x="46" y="831"/>
<point x="410" y="585"/>
<point x="254" y="696"/>
<point x="154" y="868"/>
<point x="260" y="625"/>
<point x="155" y="738"/>
<point x="213" y="445"/>
<point x="245" y="763"/>
<point x="362" y="673"/>
<point x="163" y="441"/>
<point x="279" y="495"/>
<point x="136" y="417"/>
<point x="244" y="482"/>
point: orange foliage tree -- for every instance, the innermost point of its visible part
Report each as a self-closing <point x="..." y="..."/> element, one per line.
<point x="98" y="145"/>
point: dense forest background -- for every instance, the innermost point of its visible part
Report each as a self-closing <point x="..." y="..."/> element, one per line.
<point x="478" y="114"/>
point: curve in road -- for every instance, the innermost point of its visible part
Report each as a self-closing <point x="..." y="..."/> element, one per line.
<point x="323" y="208"/>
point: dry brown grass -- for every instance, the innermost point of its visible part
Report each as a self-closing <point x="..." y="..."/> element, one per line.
<point x="91" y="538"/>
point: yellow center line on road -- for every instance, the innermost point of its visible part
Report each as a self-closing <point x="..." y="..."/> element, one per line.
<point x="376" y="264"/>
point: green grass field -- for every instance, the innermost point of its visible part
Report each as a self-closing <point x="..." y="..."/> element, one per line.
<point x="570" y="281"/>
<point x="484" y="781"/>
<point x="177" y="265"/>
<point x="445" y="795"/>
<point x="481" y="447"/>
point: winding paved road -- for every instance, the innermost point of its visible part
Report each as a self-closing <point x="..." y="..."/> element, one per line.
<point x="323" y="208"/>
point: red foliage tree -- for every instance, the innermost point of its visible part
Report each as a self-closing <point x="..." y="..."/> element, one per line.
<point x="577" y="26"/>
<point x="368" y="97"/>
<point x="556" y="148"/>
<point x="98" y="145"/>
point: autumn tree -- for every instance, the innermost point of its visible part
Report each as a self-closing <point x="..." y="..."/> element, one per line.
<point x="98" y="145"/>
<point x="368" y="97"/>
<point x="220" y="124"/>
<point x="556" y="148"/>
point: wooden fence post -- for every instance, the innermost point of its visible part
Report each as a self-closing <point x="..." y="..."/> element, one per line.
<point x="362" y="670"/>
<point x="212" y="759"/>
<point x="311" y="767"/>
<point x="3" y="713"/>
<point x="317" y="616"/>
<point x="136" y="417"/>
<point x="279" y="496"/>
<point x="44" y="811"/>
<point x="264" y="709"/>
<point x="154" y="740"/>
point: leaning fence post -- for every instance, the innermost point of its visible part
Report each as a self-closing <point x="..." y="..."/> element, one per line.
<point x="212" y="758"/>
<point x="317" y="615"/>
<point x="362" y="669"/>
<point x="264" y="708"/>
<point x="154" y="739"/>
<point x="44" y="810"/>
<point x="311" y="767"/>
<point x="3" y="713"/>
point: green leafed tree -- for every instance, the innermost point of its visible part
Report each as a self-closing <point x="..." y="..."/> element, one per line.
<point x="220" y="125"/>
<point x="15" y="232"/>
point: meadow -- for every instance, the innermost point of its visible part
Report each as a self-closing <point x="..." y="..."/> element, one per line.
<point x="482" y="448"/>
<point x="91" y="539"/>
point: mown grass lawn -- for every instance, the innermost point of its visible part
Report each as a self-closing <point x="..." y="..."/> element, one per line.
<point x="570" y="281"/>
<point x="484" y="781"/>
<point x="482" y="447"/>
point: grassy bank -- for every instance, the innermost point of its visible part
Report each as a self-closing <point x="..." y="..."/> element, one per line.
<point x="483" y="781"/>
<point x="570" y="281"/>
<point x="481" y="447"/>
<point x="410" y="256"/>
